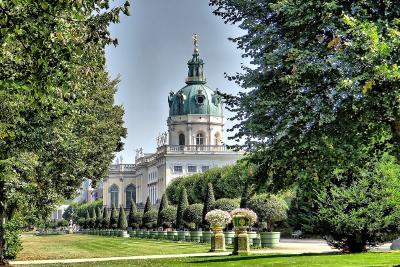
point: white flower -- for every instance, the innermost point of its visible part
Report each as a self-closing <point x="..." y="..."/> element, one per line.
<point x="218" y="217"/>
<point x="249" y="214"/>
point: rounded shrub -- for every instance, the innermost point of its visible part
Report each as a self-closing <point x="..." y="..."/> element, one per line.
<point x="150" y="219"/>
<point x="193" y="216"/>
<point x="269" y="208"/>
<point x="226" y="204"/>
<point x="167" y="217"/>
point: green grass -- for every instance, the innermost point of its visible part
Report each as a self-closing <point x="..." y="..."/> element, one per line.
<point x="90" y="246"/>
<point x="326" y="260"/>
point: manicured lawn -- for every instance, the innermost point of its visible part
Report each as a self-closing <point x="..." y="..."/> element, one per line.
<point x="326" y="260"/>
<point x="90" y="246"/>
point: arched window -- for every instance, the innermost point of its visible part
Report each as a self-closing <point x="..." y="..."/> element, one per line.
<point x="181" y="139"/>
<point x="114" y="195"/>
<point x="199" y="139"/>
<point x="130" y="194"/>
<point x="217" y="139"/>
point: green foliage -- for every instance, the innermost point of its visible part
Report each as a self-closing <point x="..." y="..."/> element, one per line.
<point x="228" y="182"/>
<point x="106" y="219"/>
<point x="62" y="223"/>
<point x="122" y="222"/>
<point x="93" y="219"/>
<point x="226" y="204"/>
<point x="87" y="220"/>
<point x="58" y="119"/>
<point x="114" y="218"/>
<point x="163" y="205"/>
<point x="137" y="220"/>
<point x="363" y="211"/>
<point x="193" y="216"/>
<point x="269" y="209"/>
<point x="208" y="202"/>
<point x="13" y="231"/>
<point x="131" y="215"/>
<point x="167" y="217"/>
<point x="149" y="220"/>
<point x="182" y="205"/>
<point x="99" y="218"/>
<point x="70" y="213"/>
<point x="147" y="206"/>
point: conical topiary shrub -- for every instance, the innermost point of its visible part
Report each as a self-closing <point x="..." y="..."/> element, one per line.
<point x="163" y="205"/>
<point x="122" y="223"/>
<point x="182" y="205"/>
<point x="106" y="219"/>
<point x="114" y="218"/>
<point x="208" y="202"/>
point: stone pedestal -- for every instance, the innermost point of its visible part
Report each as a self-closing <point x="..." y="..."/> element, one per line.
<point x="241" y="242"/>
<point x="218" y="240"/>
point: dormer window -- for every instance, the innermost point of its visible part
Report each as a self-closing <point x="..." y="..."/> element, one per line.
<point x="200" y="98"/>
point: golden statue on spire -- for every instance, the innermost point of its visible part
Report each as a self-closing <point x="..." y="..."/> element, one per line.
<point x="196" y="42"/>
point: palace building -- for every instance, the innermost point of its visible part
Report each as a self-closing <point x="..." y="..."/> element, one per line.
<point x="193" y="144"/>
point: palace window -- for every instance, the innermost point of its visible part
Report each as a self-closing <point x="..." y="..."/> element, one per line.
<point x="114" y="195"/>
<point x="130" y="194"/>
<point x="205" y="168"/>
<point x="178" y="169"/>
<point x="181" y="139"/>
<point x="217" y="139"/>
<point x="199" y="139"/>
<point x="192" y="168"/>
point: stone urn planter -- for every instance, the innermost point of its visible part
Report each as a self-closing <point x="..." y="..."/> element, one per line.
<point x="229" y="236"/>
<point x="181" y="235"/>
<point x="207" y="237"/>
<point x="242" y="219"/>
<point x="195" y="236"/>
<point x="269" y="239"/>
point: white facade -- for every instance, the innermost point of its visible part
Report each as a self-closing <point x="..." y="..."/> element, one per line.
<point x="193" y="144"/>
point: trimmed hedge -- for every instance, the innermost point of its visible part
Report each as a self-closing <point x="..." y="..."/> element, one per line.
<point x="228" y="182"/>
<point x="226" y="204"/>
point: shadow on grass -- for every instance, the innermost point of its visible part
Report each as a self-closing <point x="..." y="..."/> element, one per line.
<point x="233" y="258"/>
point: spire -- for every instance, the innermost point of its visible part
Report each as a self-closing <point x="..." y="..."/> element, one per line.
<point x="196" y="74"/>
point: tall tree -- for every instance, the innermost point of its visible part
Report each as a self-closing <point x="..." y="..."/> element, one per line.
<point x="163" y="204"/>
<point x="208" y="202"/>
<point x="58" y="120"/>
<point x="182" y="205"/>
<point x="322" y="100"/>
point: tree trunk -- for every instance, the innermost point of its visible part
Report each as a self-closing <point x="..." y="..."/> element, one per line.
<point x="3" y="220"/>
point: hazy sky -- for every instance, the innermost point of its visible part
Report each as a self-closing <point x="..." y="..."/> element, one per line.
<point x="155" y="43"/>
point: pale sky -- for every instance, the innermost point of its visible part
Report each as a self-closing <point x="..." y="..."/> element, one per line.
<point x="155" y="43"/>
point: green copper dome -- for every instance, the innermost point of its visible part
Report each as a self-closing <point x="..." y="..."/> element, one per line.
<point x="196" y="97"/>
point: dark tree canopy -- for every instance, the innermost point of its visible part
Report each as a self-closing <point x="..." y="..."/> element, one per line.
<point x="321" y="100"/>
<point x="58" y="120"/>
<point x="323" y="93"/>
